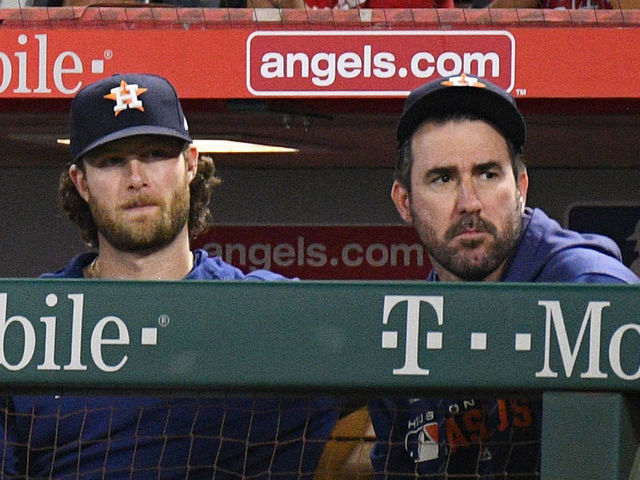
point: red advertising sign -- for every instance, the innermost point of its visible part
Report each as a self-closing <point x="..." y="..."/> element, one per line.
<point x="364" y="63"/>
<point x="372" y="252"/>
<point x="243" y="62"/>
<point x="58" y="62"/>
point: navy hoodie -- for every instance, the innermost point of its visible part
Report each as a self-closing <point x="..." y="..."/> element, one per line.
<point x="490" y="438"/>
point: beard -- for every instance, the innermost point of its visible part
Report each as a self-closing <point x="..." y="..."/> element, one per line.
<point x="144" y="234"/>
<point x="461" y="260"/>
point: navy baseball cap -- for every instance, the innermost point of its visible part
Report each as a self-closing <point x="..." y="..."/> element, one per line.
<point x="125" y="105"/>
<point x="463" y="94"/>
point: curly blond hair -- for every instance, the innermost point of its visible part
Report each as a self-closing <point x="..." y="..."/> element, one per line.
<point x="199" y="212"/>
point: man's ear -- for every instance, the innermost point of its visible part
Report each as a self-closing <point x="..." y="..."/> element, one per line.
<point x="523" y="187"/>
<point x="79" y="179"/>
<point x="191" y="156"/>
<point x="402" y="200"/>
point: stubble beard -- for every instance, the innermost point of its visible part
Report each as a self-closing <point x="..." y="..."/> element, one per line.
<point x="461" y="261"/>
<point x="146" y="234"/>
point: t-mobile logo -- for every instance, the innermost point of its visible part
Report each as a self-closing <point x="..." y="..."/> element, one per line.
<point x="412" y="337"/>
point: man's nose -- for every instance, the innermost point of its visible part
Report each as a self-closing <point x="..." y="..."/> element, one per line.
<point x="135" y="173"/>
<point x="468" y="200"/>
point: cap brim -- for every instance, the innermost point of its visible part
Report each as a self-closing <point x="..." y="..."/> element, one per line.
<point x="132" y="132"/>
<point x="480" y="102"/>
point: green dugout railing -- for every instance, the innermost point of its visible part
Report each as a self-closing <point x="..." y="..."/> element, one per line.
<point x="578" y="344"/>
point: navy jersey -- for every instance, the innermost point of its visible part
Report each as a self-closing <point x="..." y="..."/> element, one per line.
<point x="467" y="437"/>
<point x="177" y="437"/>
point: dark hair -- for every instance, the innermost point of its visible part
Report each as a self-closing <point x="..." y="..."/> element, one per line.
<point x="405" y="155"/>
<point x="199" y="212"/>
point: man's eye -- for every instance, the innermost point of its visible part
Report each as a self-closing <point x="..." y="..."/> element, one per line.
<point x="490" y="174"/>
<point x="442" y="179"/>
<point x="109" y="161"/>
<point x="158" y="155"/>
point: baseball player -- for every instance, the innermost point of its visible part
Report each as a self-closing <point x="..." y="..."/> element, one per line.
<point x="137" y="189"/>
<point x="461" y="182"/>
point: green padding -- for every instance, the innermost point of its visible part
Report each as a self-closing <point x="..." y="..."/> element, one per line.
<point x="382" y="335"/>
<point x="588" y="436"/>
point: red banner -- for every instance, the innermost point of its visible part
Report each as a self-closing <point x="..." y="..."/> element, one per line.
<point x="240" y="62"/>
<point x="382" y="252"/>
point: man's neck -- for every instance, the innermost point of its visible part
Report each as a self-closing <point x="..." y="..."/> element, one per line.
<point x="172" y="262"/>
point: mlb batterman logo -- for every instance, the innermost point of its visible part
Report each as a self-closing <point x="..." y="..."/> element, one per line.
<point x="126" y="96"/>
<point x="422" y="443"/>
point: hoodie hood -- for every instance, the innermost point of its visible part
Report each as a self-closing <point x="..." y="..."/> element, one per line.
<point x="549" y="253"/>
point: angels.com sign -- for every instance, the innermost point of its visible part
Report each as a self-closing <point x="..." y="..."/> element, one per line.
<point x="372" y="63"/>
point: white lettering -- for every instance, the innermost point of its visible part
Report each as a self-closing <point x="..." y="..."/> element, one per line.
<point x="29" y="337"/>
<point x="59" y="71"/>
<point x="19" y="334"/>
<point x="377" y="250"/>
<point x="316" y="255"/>
<point x="346" y="255"/>
<point x="49" y="362"/>
<point x="481" y="61"/>
<point x="272" y="65"/>
<point x="214" y="249"/>
<point x="417" y="61"/>
<point x="615" y="350"/>
<point x="22" y="73"/>
<point x="323" y="76"/>
<point x="300" y="58"/>
<point x="76" y="333"/>
<point x="236" y="247"/>
<point x="7" y="71"/>
<point x="260" y="255"/>
<point x="97" y="341"/>
<point x="39" y="64"/>
<point x="284" y="255"/>
<point x="406" y="250"/>
<point x="412" y="339"/>
<point x="384" y="65"/>
<point x="366" y="68"/>
<point x="449" y="58"/>
<point x="554" y="318"/>
<point x="300" y="251"/>
<point x="323" y="68"/>
<point x="301" y="254"/>
<point x="349" y="65"/>
<point x="42" y="64"/>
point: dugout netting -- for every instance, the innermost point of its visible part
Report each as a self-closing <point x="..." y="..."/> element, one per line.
<point x="278" y="380"/>
<point x="317" y="437"/>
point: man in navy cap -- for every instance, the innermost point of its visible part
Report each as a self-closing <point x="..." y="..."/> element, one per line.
<point x="461" y="182"/>
<point x="138" y="189"/>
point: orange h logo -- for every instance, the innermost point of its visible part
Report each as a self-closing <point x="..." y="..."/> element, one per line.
<point x="126" y="96"/>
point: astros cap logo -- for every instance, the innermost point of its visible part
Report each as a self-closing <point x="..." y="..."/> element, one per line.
<point x="126" y="96"/>
<point x="463" y="81"/>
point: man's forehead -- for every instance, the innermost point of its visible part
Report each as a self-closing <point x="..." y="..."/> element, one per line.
<point x="453" y="154"/>
<point x="454" y="134"/>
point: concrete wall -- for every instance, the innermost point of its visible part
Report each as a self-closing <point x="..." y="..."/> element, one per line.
<point x="36" y="237"/>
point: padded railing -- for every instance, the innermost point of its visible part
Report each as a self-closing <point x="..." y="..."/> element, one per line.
<point x="579" y="344"/>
